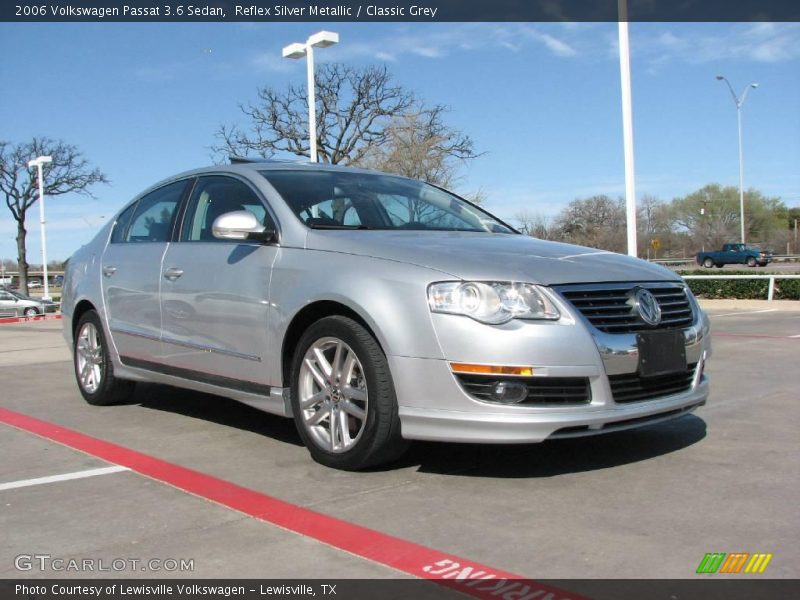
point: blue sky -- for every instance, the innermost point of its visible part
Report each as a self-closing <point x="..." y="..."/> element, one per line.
<point x="542" y="100"/>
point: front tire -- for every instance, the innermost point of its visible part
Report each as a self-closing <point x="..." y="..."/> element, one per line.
<point x="30" y="312"/>
<point x="343" y="397"/>
<point x="751" y="262"/>
<point x="94" y="371"/>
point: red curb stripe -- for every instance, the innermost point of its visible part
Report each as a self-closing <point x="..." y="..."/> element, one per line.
<point x="28" y="319"/>
<point x="468" y="577"/>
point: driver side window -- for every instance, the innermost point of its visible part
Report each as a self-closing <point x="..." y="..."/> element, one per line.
<point x="214" y="196"/>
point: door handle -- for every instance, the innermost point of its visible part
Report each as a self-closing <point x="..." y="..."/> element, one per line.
<point x="172" y="273"/>
<point x="109" y="271"/>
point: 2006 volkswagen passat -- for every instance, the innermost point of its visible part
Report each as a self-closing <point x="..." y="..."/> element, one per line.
<point x="374" y="310"/>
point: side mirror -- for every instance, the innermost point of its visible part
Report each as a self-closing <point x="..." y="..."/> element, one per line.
<point x="241" y="225"/>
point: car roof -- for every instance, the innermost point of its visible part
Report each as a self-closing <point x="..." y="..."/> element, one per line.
<point x="240" y="165"/>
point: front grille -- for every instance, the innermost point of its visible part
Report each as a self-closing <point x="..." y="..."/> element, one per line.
<point x="631" y="387"/>
<point x="542" y="391"/>
<point x="610" y="307"/>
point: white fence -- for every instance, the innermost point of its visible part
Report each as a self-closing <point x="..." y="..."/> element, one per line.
<point x="770" y="289"/>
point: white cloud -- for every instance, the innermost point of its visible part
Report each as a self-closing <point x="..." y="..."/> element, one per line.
<point x="759" y="42"/>
<point x="442" y="40"/>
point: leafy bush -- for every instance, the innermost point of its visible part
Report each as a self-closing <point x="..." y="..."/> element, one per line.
<point x="748" y="289"/>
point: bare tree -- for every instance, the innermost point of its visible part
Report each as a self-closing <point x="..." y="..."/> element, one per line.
<point x="421" y="146"/>
<point x="598" y="222"/>
<point x="363" y="118"/>
<point x="69" y="172"/>
<point x="537" y="225"/>
<point x="354" y="108"/>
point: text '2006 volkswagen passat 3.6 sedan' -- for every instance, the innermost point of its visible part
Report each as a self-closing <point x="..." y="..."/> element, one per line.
<point x="375" y="309"/>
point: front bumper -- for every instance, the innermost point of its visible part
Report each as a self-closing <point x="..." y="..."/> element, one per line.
<point x="434" y="405"/>
<point x="494" y="423"/>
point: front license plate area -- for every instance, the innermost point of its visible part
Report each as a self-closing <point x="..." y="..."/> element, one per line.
<point x="661" y="353"/>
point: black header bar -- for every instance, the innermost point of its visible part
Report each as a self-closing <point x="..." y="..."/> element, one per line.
<point x="398" y="10"/>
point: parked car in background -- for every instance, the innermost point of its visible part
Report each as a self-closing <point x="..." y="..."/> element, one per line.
<point x="375" y="309"/>
<point x="16" y="304"/>
<point x="735" y="254"/>
<point x="34" y="283"/>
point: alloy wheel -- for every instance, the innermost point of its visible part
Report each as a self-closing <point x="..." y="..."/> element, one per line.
<point x="333" y="395"/>
<point x="89" y="357"/>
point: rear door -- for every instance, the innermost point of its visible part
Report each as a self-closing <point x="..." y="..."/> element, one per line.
<point x="215" y="293"/>
<point x="131" y="272"/>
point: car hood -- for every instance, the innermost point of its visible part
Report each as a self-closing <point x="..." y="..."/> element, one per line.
<point x="488" y="256"/>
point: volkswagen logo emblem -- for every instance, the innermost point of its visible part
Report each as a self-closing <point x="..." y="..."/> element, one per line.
<point x="647" y="306"/>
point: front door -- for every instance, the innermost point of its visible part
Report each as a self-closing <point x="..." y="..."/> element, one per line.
<point x="215" y="293"/>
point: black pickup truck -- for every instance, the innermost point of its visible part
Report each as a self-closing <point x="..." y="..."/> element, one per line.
<point x="731" y="254"/>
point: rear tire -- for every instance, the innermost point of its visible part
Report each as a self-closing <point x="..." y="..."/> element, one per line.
<point x="708" y="262"/>
<point x="94" y="371"/>
<point x="343" y="397"/>
<point x="30" y="312"/>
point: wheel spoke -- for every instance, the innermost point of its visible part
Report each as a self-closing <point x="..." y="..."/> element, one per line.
<point x="347" y="368"/>
<point x="344" y="429"/>
<point x="323" y="363"/>
<point x="353" y="410"/>
<point x="86" y="373"/>
<point x="315" y="373"/>
<point x="318" y="416"/>
<point x="313" y="400"/>
<point x="356" y="394"/>
<point x="336" y="366"/>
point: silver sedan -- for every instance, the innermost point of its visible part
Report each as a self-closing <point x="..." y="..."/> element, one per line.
<point x="375" y="310"/>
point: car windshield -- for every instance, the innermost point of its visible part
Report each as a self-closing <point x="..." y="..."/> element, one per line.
<point x="342" y="200"/>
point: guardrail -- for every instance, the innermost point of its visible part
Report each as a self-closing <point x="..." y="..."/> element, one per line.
<point x="770" y="289"/>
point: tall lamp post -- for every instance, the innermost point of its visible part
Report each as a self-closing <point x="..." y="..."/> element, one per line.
<point x="38" y="162"/>
<point x="321" y="39"/>
<point x="739" y="101"/>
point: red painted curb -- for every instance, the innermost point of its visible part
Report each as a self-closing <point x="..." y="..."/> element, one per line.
<point x="4" y="320"/>
<point x="468" y="577"/>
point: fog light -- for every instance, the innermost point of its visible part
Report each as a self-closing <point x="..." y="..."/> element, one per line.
<point x="509" y="392"/>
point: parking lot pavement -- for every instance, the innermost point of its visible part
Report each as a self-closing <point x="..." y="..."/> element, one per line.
<point x="29" y="342"/>
<point x="644" y="503"/>
<point x="125" y="517"/>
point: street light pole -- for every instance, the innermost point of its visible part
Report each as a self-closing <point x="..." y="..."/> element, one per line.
<point x="322" y="39"/>
<point x="739" y="101"/>
<point x="627" y="126"/>
<point x="38" y="162"/>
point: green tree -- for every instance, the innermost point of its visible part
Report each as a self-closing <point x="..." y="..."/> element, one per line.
<point x="710" y="216"/>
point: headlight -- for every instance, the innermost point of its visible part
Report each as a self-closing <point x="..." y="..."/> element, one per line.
<point x="491" y="302"/>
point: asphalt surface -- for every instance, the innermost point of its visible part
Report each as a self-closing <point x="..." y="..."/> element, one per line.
<point x="647" y="503"/>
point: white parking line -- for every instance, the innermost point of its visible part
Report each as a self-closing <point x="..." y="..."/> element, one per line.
<point x="744" y="312"/>
<point x="64" y="477"/>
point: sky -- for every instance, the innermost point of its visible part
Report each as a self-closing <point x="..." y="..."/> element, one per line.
<point x="143" y="101"/>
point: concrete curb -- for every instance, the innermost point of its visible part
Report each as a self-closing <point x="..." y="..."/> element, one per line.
<point x="748" y="305"/>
